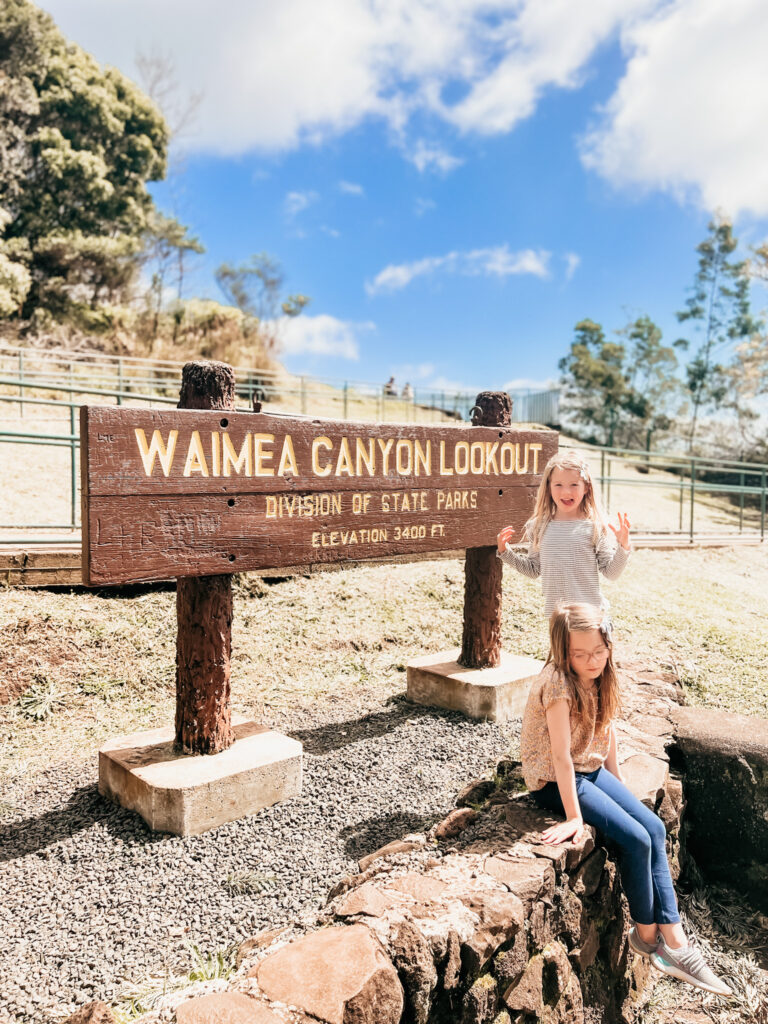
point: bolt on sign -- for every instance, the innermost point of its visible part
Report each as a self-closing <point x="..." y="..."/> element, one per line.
<point x="170" y="493"/>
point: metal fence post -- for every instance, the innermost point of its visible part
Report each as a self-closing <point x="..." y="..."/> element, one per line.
<point x="608" y="487"/>
<point x="762" y="507"/>
<point x="72" y="465"/>
<point x="21" y="384"/>
<point x="119" y="381"/>
<point x="693" y="492"/>
<point x="682" y="495"/>
<point x="741" y="502"/>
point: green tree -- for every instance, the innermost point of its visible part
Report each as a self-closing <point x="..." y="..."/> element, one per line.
<point x="255" y="288"/>
<point x="651" y="377"/>
<point x="166" y="245"/>
<point x="719" y="310"/>
<point x="595" y="382"/>
<point x="78" y="143"/>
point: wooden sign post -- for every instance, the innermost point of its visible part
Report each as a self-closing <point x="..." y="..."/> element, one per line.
<point x="202" y="491"/>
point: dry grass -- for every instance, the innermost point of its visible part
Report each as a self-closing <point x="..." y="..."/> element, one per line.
<point x="341" y="640"/>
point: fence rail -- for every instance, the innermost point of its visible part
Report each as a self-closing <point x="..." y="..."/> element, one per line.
<point x="667" y="493"/>
<point x="122" y="376"/>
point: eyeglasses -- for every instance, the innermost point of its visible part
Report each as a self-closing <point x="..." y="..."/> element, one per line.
<point x="597" y="654"/>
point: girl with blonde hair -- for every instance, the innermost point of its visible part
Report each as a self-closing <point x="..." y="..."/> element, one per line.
<point x="568" y="539"/>
<point x="570" y="764"/>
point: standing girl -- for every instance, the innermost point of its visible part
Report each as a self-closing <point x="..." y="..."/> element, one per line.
<point x="568" y="540"/>
<point x="570" y="765"/>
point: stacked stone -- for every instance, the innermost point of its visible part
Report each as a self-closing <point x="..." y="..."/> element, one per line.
<point x="475" y="922"/>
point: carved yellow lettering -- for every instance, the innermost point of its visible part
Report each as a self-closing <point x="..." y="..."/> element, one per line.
<point x="422" y="459"/>
<point x="477" y="457"/>
<point x="404" y="465"/>
<point x="315" y="540"/>
<point x="271" y="507"/>
<point x="444" y="470"/>
<point x="386" y="448"/>
<point x="317" y="444"/>
<point x="287" y="458"/>
<point x="344" y="461"/>
<point x="365" y="457"/>
<point x="491" y="447"/>
<point x="518" y="468"/>
<point x="385" y="503"/>
<point x="507" y="458"/>
<point x="473" y="499"/>
<point x="156" y="448"/>
<point x="216" y="453"/>
<point x="260" y="456"/>
<point x="232" y="461"/>
<point x="195" y="456"/>
<point x="535" y="448"/>
<point x="461" y="457"/>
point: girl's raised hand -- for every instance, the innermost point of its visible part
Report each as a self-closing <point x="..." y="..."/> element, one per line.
<point x="504" y="537"/>
<point x="570" y="829"/>
<point x="622" y="532"/>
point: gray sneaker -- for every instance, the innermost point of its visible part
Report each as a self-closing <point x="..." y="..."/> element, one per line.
<point x="688" y="964"/>
<point x="637" y="944"/>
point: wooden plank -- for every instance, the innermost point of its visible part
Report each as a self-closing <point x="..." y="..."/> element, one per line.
<point x="146" y="538"/>
<point x="182" y="451"/>
<point x="195" y="492"/>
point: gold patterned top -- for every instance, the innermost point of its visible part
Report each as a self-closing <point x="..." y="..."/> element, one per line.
<point x="589" y="748"/>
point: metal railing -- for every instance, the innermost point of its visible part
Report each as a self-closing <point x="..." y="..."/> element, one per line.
<point x="689" y="477"/>
<point x="123" y="376"/>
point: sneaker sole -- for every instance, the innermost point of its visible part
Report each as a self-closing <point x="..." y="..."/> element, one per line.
<point x="640" y="952"/>
<point x="675" y="972"/>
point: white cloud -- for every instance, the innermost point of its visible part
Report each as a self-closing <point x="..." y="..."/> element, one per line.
<point x="498" y="261"/>
<point x="413" y="371"/>
<point x="275" y="75"/>
<point x="320" y="335"/>
<point x="351" y="188"/>
<point x="528" y="384"/>
<point x="689" y="115"/>
<point x="295" y="202"/>
<point x="432" y="158"/>
<point x="572" y="263"/>
<point x="422" y="206"/>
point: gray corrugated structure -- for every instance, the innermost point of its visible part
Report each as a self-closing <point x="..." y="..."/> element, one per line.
<point x="536" y="406"/>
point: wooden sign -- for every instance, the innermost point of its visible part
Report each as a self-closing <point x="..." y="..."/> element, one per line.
<point x="191" y="493"/>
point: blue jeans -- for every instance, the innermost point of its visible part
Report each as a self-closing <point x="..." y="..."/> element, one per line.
<point x="607" y="804"/>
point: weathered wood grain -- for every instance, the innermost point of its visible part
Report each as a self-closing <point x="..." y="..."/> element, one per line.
<point x="204" y="607"/>
<point x="150" y="538"/>
<point x="481" y="635"/>
<point x="112" y="460"/>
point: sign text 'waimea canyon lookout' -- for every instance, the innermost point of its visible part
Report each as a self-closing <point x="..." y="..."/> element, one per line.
<point x="198" y="492"/>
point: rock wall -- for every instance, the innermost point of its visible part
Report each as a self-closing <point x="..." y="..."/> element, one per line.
<point x="475" y="922"/>
<point x="725" y="761"/>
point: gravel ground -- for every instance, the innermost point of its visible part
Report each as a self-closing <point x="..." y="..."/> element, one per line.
<point x="94" y="901"/>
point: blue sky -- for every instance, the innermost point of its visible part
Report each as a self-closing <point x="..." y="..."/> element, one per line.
<point x="456" y="183"/>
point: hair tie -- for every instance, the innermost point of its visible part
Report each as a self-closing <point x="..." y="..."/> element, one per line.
<point x="606" y="628"/>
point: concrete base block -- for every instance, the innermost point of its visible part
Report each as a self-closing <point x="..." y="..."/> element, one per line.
<point x="190" y="793"/>
<point x="497" y="694"/>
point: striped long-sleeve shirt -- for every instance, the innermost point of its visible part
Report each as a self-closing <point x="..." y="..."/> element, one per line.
<point x="568" y="561"/>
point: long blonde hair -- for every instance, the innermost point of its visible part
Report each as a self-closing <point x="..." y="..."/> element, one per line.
<point x="580" y="618"/>
<point x="545" y="508"/>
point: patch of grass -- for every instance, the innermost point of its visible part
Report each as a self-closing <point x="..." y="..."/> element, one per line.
<point x="219" y="963"/>
<point x="702" y="612"/>
<point x="41" y="700"/>
<point x="247" y="883"/>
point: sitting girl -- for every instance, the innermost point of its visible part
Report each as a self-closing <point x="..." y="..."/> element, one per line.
<point x="570" y="765"/>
